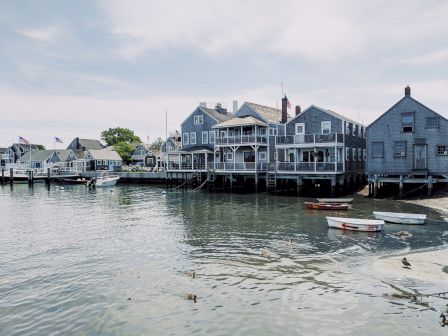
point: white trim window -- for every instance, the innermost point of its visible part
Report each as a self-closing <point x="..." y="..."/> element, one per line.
<point x="192" y="138"/>
<point x="262" y="156"/>
<point x="354" y="129"/>
<point x="347" y="128"/>
<point x="360" y="131"/>
<point x="364" y="155"/>
<point x="359" y="154"/>
<point x="354" y="154"/>
<point x="326" y="127"/>
<point x="347" y="153"/>
<point x="199" y="119"/>
<point x="211" y="137"/>
<point x="204" y="137"/>
<point x="229" y="156"/>
<point x="185" y="139"/>
<point x="300" y="128"/>
<point x="272" y="131"/>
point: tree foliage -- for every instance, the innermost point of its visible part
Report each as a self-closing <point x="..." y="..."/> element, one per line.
<point x="156" y="144"/>
<point x="116" y="135"/>
<point x="124" y="149"/>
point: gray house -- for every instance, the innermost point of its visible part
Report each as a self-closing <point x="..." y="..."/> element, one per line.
<point x="16" y="151"/>
<point x="78" y="144"/>
<point x="407" y="144"/>
<point x="144" y="156"/>
<point x="44" y="158"/>
<point x="198" y="139"/>
<point x="2" y="156"/>
<point x="103" y="159"/>
<point x="321" y="146"/>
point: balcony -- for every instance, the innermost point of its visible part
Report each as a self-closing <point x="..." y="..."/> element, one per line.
<point x="242" y="139"/>
<point x="175" y="166"/>
<point x="241" y="166"/>
<point x="309" y="167"/>
<point x="310" y="139"/>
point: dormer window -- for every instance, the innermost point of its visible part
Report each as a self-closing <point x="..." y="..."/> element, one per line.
<point x="326" y="127"/>
<point x="199" y="119"/>
<point x="407" y="122"/>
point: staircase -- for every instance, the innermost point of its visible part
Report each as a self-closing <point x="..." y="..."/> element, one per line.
<point x="272" y="182"/>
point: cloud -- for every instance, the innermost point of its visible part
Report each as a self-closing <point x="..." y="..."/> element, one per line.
<point x="48" y="34"/>
<point x="428" y="58"/>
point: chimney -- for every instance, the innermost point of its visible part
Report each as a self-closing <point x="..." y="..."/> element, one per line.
<point x="235" y="106"/>
<point x="298" y="110"/>
<point x="203" y="104"/>
<point x="284" y="110"/>
<point x="220" y="109"/>
<point x="407" y="91"/>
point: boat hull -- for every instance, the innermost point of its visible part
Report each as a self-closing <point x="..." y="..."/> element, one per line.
<point x="335" y="200"/>
<point x="326" y="206"/>
<point x="400" y="218"/>
<point x="355" y="224"/>
<point x="102" y="182"/>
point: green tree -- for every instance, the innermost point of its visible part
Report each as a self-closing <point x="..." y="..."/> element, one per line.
<point x="40" y="147"/>
<point x="125" y="150"/>
<point x="116" y="135"/>
<point x="156" y="144"/>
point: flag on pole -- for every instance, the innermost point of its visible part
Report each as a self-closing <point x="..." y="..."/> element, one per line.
<point x="23" y="141"/>
<point x="56" y="139"/>
<point x="287" y="102"/>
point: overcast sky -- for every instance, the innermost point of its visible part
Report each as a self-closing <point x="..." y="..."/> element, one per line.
<point x="75" y="68"/>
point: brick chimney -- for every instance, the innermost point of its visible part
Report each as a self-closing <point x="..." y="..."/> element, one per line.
<point x="407" y="91"/>
<point x="284" y="110"/>
<point x="298" y="110"/>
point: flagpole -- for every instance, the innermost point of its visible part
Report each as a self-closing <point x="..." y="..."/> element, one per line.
<point x="166" y="138"/>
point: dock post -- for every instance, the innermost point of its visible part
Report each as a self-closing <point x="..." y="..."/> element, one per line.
<point x="430" y="185"/>
<point x="256" y="182"/>
<point x="375" y="186"/>
<point x="48" y="180"/>
<point x="30" y="177"/>
<point x="231" y="182"/>
<point x="3" y="175"/>
<point x="400" y="191"/>
<point x="11" y="176"/>
<point x="333" y="185"/>
<point x="298" y="185"/>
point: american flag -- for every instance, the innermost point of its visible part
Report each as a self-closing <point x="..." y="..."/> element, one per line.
<point x="23" y="141"/>
<point x="56" y="139"/>
<point x="287" y="102"/>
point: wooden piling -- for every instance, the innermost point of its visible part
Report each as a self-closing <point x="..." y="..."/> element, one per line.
<point x="3" y="175"/>
<point x="375" y="186"/>
<point x="30" y="177"/>
<point x="11" y="176"/>
<point x="430" y="185"/>
<point x="48" y="179"/>
<point x="401" y="186"/>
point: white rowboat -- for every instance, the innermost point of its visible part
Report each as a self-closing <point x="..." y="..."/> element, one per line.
<point x="335" y="200"/>
<point x="355" y="224"/>
<point x="106" y="181"/>
<point x="400" y="218"/>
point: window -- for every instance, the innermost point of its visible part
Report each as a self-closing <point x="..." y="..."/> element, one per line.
<point x="185" y="138"/>
<point x="326" y="127"/>
<point x="193" y="138"/>
<point x="204" y="137"/>
<point x="407" y="122"/>
<point x="211" y="137"/>
<point x="377" y="149"/>
<point x="399" y="148"/>
<point x="262" y="131"/>
<point x="272" y="131"/>
<point x="360" y="131"/>
<point x="347" y="153"/>
<point x="300" y="128"/>
<point x="262" y="156"/>
<point x="442" y="150"/>
<point x="364" y="155"/>
<point x="199" y="119"/>
<point x="354" y="154"/>
<point x="432" y="122"/>
<point x="359" y="154"/>
<point x="229" y="156"/>
<point x="347" y="128"/>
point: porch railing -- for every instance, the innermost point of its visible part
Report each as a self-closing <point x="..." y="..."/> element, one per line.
<point x="241" y="166"/>
<point x="308" y="167"/>
<point x="241" y="139"/>
<point x="186" y="166"/>
<point x="309" y="139"/>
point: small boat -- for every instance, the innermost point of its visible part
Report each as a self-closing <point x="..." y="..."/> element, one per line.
<point x="73" y="181"/>
<point x="326" y="206"/>
<point x="400" y="218"/>
<point x="355" y="224"/>
<point x="105" y="181"/>
<point x="335" y="200"/>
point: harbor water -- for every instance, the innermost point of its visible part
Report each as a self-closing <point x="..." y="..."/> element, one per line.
<point x="122" y="260"/>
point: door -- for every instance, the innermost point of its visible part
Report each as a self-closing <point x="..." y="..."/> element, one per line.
<point x="420" y="156"/>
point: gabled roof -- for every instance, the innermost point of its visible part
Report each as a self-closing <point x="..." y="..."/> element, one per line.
<point x="64" y="153"/>
<point x="334" y="114"/>
<point x="91" y="144"/>
<point x="399" y="102"/>
<point x="80" y="154"/>
<point x="213" y="113"/>
<point x="26" y="147"/>
<point x="270" y="114"/>
<point x="37" y="155"/>
<point x="240" y="121"/>
<point x="3" y="150"/>
<point x="104" y="154"/>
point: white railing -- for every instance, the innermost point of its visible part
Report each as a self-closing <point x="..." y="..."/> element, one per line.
<point x="242" y="139"/>
<point x="241" y="166"/>
<point x="309" y="139"/>
<point x="308" y="167"/>
<point x="186" y="166"/>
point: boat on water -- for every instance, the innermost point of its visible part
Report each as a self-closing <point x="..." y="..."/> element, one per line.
<point x="105" y="181"/>
<point x="335" y="200"/>
<point x="355" y="224"/>
<point x="73" y="181"/>
<point x="326" y="206"/>
<point x="400" y="218"/>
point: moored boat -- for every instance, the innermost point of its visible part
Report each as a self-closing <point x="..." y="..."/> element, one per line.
<point x="355" y="224"/>
<point x="335" y="200"/>
<point x="326" y="206"/>
<point x="106" y="181"/>
<point x="400" y="218"/>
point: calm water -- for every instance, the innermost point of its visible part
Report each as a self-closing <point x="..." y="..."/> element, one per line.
<point x="70" y="259"/>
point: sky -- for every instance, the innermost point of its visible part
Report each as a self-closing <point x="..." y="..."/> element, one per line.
<point x="76" y="68"/>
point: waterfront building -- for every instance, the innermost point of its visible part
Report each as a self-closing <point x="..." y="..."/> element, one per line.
<point x="198" y="140"/>
<point x="103" y="159"/>
<point x="408" y="144"/>
<point x="78" y="144"/>
<point x="171" y="145"/>
<point x="16" y="151"/>
<point x="144" y="156"/>
<point x="2" y="156"/>
<point x="42" y="159"/>
<point x="321" y="147"/>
